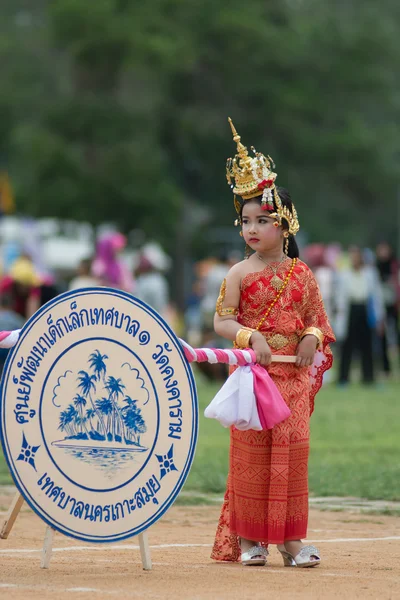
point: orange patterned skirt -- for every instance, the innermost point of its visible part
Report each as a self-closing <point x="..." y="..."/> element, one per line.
<point x="267" y="492"/>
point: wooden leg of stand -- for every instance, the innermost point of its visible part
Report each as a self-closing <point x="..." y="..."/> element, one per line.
<point x="145" y="551"/>
<point x="47" y="547"/>
<point x="12" y="514"/>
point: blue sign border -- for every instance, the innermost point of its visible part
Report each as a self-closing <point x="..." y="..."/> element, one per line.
<point x="3" y="388"/>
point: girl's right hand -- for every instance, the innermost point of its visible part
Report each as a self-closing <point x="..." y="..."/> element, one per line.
<point x="261" y="348"/>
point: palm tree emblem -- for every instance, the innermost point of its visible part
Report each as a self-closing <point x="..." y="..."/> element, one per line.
<point x="93" y="418"/>
<point x="97" y="363"/>
<point x="115" y="389"/>
<point x="87" y="385"/>
<point x="80" y="403"/>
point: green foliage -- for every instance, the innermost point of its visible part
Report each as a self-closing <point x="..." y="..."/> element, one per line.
<point x="111" y="108"/>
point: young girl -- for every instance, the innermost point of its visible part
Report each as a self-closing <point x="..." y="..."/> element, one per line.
<point x="271" y="303"/>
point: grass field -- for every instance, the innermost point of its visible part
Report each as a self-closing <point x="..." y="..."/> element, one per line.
<point x="355" y="445"/>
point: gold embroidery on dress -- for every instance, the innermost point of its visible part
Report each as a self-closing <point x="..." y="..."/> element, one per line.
<point x="255" y="275"/>
<point x="278" y="341"/>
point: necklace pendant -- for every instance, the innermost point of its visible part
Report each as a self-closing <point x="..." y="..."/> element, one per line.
<point x="276" y="282"/>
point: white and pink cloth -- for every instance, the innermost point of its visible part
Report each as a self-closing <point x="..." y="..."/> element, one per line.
<point x="249" y="399"/>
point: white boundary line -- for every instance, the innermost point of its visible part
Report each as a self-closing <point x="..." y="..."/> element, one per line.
<point x="126" y="547"/>
<point x="100" y="548"/>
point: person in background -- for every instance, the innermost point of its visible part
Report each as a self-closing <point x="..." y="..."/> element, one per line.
<point x="211" y="285"/>
<point x="48" y="290"/>
<point x="321" y="260"/>
<point x="192" y="314"/>
<point x="151" y="286"/>
<point x="23" y="286"/>
<point x="360" y="311"/>
<point x="388" y="269"/>
<point x="108" y="266"/>
<point x="84" y="277"/>
<point x="9" y="320"/>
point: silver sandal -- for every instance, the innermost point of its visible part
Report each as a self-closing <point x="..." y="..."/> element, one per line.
<point x="302" y="559"/>
<point x="256" y="556"/>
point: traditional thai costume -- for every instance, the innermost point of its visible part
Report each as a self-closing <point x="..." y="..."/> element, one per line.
<point x="267" y="490"/>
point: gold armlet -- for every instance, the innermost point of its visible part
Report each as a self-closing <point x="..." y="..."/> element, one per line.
<point x="243" y="337"/>
<point x="229" y="310"/>
<point x="316" y="333"/>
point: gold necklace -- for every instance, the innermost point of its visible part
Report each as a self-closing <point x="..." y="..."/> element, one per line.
<point x="276" y="281"/>
<point x="278" y="295"/>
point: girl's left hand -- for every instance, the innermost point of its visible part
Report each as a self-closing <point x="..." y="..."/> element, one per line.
<point x="306" y="351"/>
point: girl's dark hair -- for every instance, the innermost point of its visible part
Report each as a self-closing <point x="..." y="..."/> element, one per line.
<point x="293" y="250"/>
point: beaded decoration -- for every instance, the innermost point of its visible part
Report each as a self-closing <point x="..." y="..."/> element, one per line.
<point x="279" y="294"/>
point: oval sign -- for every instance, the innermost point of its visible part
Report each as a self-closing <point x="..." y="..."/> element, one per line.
<point x="99" y="415"/>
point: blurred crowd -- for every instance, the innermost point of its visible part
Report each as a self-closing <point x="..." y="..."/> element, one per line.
<point x="360" y="289"/>
<point x="26" y="284"/>
<point x="361" y="292"/>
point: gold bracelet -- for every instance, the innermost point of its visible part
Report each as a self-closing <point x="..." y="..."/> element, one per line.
<point x="243" y="337"/>
<point x="316" y="333"/>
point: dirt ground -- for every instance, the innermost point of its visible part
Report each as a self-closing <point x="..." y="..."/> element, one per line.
<point x="361" y="559"/>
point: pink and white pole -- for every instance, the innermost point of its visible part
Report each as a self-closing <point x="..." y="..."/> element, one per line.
<point x="8" y="339"/>
<point x="249" y="399"/>
<point x="230" y="357"/>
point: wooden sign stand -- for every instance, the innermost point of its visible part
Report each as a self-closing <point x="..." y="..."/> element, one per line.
<point x="47" y="550"/>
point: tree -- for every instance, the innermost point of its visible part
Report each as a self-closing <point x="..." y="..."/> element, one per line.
<point x="90" y="414"/>
<point x="80" y="403"/>
<point x="71" y="418"/>
<point x="120" y="112"/>
<point x="65" y="422"/>
<point x="87" y="385"/>
<point x="133" y="419"/>
<point x="97" y="363"/>
<point x="105" y="407"/>
<point x="115" y="388"/>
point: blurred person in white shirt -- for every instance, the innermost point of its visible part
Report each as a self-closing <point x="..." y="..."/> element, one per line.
<point x="84" y="278"/>
<point x="388" y="268"/>
<point x="360" y="311"/>
<point x="152" y="286"/>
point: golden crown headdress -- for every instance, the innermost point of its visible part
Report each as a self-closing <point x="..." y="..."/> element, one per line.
<point x="249" y="177"/>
